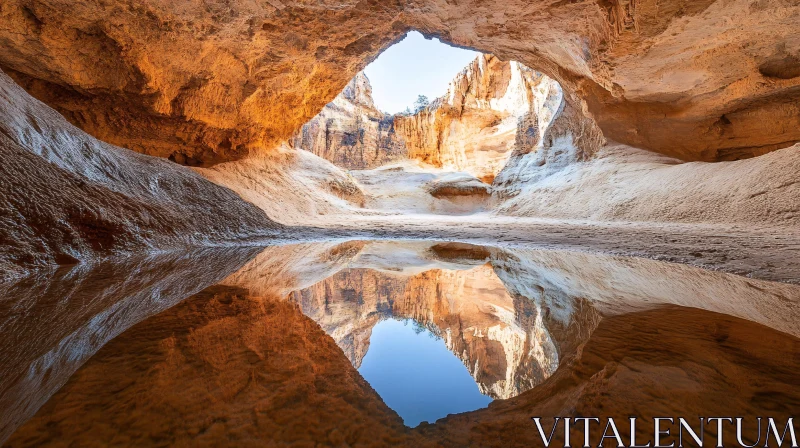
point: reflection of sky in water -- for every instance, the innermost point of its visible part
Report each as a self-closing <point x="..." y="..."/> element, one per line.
<point x="416" y="375"/>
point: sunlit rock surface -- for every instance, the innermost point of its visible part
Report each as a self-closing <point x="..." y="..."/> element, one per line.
<point x="432" y="161"/>
<point x="67" y="197"/>
<point x="195" y="85"/>
<point x="221" y="86"/>
<point x="214" y="82"/>
<point x="626" y="184"/>
<point x="412" y="187"/>
<point x="472" y="128"/>
<point x="291" y="186"/>
<point x="351" y="132"/>
<point x="242" y="364"/>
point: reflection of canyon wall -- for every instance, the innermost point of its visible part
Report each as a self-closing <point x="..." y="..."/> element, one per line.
<point x="225" y="367"/>
<point x="348" y="304"/>
<point x="351" y="132"/>
<point x="505" y="348"/>
<point x="52" y="323"/>
<point x="619" y="285"/>
<point x="473" y="127"/>
<point x="221" y="365"/>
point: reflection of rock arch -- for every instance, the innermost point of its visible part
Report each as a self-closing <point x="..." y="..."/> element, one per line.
<point x="261" y="371"/>
<point x="500" y="339"/>
<point x="289" y="363"/>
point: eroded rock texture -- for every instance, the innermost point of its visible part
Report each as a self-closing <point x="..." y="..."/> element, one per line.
<point x="621" y="183"/>
<point x="292" y="187"/>
<point x="472" y="128"/>
<point x="204" y="83"/>
<point x="351" y="132"/>
<point x="66" y="197"/>
<point x="198" y="83"/>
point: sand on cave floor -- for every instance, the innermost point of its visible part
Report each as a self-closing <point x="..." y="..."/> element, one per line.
<point x="414" y="187"/>
<point x="296" y="187"/>
<point x="659" y="218"/>
<point x="619" y="184"/>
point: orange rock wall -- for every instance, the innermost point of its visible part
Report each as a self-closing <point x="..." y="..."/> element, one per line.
<point x="351" y="132"/>
<point x="211" y="82"/>
<point x="472" y="128"/>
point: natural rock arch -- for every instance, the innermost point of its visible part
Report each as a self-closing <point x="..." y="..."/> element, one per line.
<point x="208" y="83"/>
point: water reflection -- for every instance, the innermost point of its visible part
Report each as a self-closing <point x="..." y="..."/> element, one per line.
<point x="268" y="355"/>
<point x="456" y="293"/>
<point x="416" y="375"/>
<point x="50" y="324"/>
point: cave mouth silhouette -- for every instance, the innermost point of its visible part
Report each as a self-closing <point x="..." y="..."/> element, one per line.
<point x="442" y="154"/>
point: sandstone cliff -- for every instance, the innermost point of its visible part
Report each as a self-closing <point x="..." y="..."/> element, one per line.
<point x="472" y="128"/>
<point x="351" y="132"/>
<point x="195" y="84"/>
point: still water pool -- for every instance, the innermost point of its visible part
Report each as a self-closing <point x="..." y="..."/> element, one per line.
<point x="383" y="343"/>
<point x="415" y="374"/>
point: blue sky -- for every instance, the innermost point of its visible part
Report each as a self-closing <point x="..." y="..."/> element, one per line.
<point x="411" y="67"/>
<point x="416" y="375"/>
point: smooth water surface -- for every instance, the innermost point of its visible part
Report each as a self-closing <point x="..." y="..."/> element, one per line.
<point x="354" y="343"/>
<point x="416" y="375"/>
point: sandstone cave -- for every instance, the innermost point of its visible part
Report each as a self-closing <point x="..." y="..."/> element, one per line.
<point x="214" y="233"/>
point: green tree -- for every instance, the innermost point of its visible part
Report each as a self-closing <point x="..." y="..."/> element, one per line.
<point x="421" y="103"/>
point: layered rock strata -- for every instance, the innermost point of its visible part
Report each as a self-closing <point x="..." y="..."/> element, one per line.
<point x="472" y="128"/>
<point x="67" y="197"/>
<point x="351" y="132"/>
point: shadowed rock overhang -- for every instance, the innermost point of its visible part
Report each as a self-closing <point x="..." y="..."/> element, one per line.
<point x="213" y="82"/>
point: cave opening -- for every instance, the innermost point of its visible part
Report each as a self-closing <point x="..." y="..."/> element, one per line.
<point x="427" y="128"/>
<point x="206" y="208"/>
